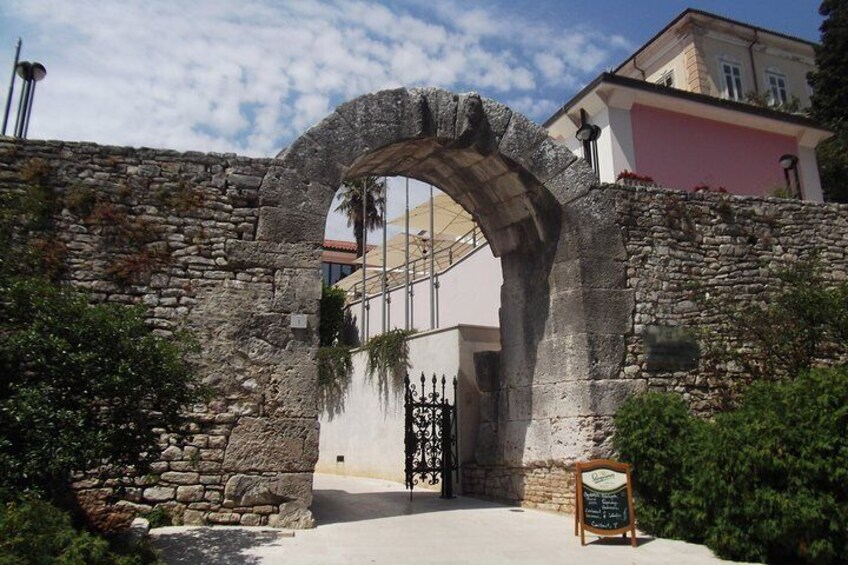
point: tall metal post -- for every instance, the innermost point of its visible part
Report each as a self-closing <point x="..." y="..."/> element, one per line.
<point x="432" y="262"/>
<point x="22" y="109"/>
<point x="364" y="238"/>
<point x="11" y="87"/>
<point x="385" y="285"/>
<point x="407" y="289"/>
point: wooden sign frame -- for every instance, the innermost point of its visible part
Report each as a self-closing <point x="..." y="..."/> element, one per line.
<point x="580" y="527"/>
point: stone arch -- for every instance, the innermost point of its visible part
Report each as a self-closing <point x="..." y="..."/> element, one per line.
<point x="564" y="309"/>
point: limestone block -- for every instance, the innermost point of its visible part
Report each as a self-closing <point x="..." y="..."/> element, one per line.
<point x="549" y="159"/>
<point x="158" y="494"/>
<point x="292" y="515"/>
<point x="223" y="518"/>
<point x="591" y="310"/>
<point x="290" y="225"/>
<point x="487" y="450"/>
<point x="192" y="493"/>
<point x="180" y="478"/>
<point x="194" y="518"/>
<point x="251" y="519"/>
<point x="256" y="490"/>
<point x="441" y="108"/>
<point x="572" y="183"/>
<point x="520" y="141"/>
<point x="272" y="444"/>
<point x="273" y="255"/>
<point x="296" y="290"/>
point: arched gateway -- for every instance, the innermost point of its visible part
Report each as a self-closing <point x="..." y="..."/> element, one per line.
<point x="564" y="309"/>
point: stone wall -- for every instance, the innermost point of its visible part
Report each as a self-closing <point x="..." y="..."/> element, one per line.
<point x="175" y="232"/>
<point x="679" y="250"/>
<point x="229" y="247"/>
<point x="687" y="251"/>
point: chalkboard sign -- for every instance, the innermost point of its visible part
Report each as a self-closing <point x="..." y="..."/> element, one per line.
<point x="604" y="500"/>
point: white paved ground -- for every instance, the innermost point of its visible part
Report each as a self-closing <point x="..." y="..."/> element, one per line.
<point x="363" y="521"/>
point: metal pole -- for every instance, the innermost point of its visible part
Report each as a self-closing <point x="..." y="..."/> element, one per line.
<point x="364" y="238"/>
<point x="11" y="87"/>
<point x="385" y="286"/>
<point x="19" y="122"/>
<point x="29" y="107"/>
<point x="432" y="263"/>
<point x="407" y="288"/>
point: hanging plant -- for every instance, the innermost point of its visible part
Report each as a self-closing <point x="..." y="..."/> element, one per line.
<point x="388" y="358"/>
<point x="335" y="366"/>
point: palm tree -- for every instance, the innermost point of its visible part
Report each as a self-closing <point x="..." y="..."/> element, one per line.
<point x="351" y="206"/>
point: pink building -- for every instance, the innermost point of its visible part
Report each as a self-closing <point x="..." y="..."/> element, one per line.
<point x="708" y="102"/>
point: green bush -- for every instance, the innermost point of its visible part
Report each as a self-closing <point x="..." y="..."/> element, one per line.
<point x="331" y="327"/>
<point x="656" y="434"/>
<point x="82" y="386"/>
<point x="765" y="482"/>
<point x="34" y="532"/>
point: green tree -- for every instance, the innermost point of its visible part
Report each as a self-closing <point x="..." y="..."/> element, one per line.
<point x="372" y="190"/>
<point x="830" y="98"/>
<point x="82" y="386"/>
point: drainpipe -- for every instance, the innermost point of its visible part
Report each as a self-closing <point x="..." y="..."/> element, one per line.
<point x="635" y="66"/>
<point x="753" y="65"/>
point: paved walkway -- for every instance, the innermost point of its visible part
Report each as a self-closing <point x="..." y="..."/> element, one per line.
<point x="363" y="521"/>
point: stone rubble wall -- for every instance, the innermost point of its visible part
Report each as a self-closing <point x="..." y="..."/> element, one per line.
<point x="680" y="248"/>
<point x="173" y="232"/>
<point x="686" y="250"/>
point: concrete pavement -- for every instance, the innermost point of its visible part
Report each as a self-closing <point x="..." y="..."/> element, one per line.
<point x="364" y="521"/>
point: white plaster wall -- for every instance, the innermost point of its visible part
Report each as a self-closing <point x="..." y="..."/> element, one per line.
<point x="469" y="293"/>
<point x="368" y="430"/>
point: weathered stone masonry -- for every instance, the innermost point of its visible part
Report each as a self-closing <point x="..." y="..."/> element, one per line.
<point x="229" y="247"/>
<point x="173" y="231"/>
<point x="681" y="247"/>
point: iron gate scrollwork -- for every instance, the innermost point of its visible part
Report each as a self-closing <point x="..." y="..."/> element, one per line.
<point x="430" y="435"/>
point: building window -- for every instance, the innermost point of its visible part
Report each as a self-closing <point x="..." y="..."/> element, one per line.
<point x="778" y="92"/>
<point x="666" y="79"/>
<point x="732" y="80"/>
<point x="334" y="272"/>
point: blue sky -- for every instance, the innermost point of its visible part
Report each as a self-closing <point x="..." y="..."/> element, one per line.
<point x="248" y="76"/>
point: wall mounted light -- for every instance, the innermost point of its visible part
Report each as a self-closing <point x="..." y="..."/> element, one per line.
<point x="789" y="162"/>
<point x="588" y="135"/>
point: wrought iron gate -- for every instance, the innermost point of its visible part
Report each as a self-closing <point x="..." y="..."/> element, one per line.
<point x="430" y="435"/>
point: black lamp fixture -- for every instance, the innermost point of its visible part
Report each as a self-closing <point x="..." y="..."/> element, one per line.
<point x="789" y="162"/>
<point x="30" y="73"/>
<point x="588" y="134"/>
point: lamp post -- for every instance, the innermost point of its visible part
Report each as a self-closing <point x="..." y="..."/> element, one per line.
<point x="11" y="87"/>
<point x="31" y="73"/>
<point x="789" y="162"/>
<point x="588" y="134"/>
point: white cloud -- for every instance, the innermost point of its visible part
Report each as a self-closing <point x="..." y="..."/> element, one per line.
<point x="216" y="75"/>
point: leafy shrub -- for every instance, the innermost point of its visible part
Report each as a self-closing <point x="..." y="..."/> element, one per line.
<point x="82" y="385"/>
<point x="34" y="532"/>
<point x="656" y="434"/>
<point x="331" y="327"/>
<point x="765" y="482"/>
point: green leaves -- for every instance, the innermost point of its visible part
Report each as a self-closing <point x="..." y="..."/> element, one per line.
<point x="81" y="385"/>
<point x="765" y="482"/>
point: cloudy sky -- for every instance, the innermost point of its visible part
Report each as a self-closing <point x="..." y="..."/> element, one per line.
<point x="247" y="76"/>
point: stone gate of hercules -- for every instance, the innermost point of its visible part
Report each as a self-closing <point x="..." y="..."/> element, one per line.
<point x="593" y="274"/>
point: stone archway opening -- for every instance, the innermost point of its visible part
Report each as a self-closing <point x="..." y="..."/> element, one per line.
<point x="563" y="311"/>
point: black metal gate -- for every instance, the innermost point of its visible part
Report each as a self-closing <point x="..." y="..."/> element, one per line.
<point x="430" y="435"/>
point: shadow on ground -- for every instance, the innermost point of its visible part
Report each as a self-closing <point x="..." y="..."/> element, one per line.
<point x="610" y="540"/>
<point x="212" y="546"/>
<point x="330" y="506"/>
